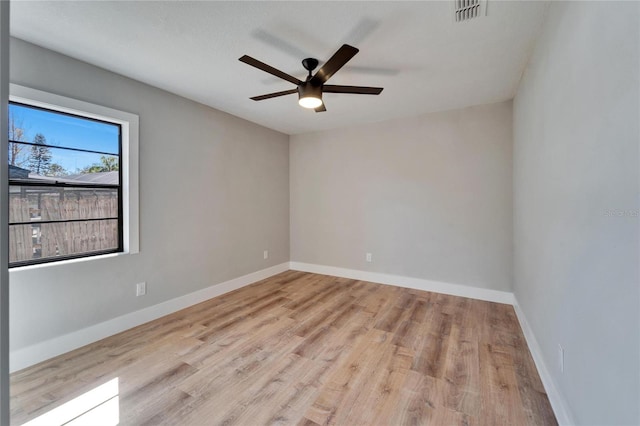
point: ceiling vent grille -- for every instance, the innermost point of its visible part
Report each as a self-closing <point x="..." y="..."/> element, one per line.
<point x="465" y="10"/>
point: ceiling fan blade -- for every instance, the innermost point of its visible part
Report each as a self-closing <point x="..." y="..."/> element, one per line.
<point x="268" y="68"/>
<point x="358" y="90"/>
<point x="274" y="95"/>
<point x="337" y="61"/>
<point x="321" y="108"/>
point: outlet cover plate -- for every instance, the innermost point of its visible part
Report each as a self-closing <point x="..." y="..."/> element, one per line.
<point x="141" y="289"/>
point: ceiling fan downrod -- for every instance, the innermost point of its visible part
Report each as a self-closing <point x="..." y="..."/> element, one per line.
<point x="309" y="64"/>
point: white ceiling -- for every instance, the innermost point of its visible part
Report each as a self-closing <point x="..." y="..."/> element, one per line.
<point x="424" y="60"/>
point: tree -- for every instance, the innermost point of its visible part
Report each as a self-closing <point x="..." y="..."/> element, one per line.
<point x="16" y="133"/>
<point x="107" y="164"/>
<point x="56" y="169"/>
<point x="40" y="158"/>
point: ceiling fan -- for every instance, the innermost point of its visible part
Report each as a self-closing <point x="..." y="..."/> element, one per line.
<point x="310" y="91"/>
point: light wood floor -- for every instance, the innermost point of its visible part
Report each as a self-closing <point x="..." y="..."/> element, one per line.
<point x="307" y="349"/>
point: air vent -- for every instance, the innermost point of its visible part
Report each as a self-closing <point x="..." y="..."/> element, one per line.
<point x="465" y="10"/>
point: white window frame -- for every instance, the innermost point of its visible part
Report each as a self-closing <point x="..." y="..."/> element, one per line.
<point x="129" y="159"/>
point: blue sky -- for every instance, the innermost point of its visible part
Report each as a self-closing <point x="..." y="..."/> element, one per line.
<point x="61" y="130"/>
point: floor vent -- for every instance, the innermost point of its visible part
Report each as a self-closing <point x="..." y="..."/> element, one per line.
<point x="465" y="10"/>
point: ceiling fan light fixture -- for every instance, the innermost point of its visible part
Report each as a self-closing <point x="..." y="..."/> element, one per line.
<point x="310" y="102"/>
<point x="309" y="96"/>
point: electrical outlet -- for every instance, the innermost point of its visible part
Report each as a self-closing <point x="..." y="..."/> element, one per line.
<point x="368" y="257"/>
<point x="141" y="289"/>
<point x="561" y="358"/>
<point x="265" y="254"/>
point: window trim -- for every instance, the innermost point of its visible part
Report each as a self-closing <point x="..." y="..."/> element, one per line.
<point x="129" y="125"/>
<point x="63" y="186"/>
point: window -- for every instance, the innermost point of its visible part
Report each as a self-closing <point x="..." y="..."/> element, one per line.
<point x="72" y="179"/>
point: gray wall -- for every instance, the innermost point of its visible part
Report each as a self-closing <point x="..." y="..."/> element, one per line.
<point x="213" y="195"/>
<point x="429" y="197"/>
<point x="576" y="187"/>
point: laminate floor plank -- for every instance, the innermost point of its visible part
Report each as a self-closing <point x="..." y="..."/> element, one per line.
<point x="420" y="397"/>
<point x="347" y="382"/>
<point x="306" y="349"/>
<point x="462" y="373"/>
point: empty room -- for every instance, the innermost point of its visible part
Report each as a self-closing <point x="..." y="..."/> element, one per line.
<point x="320" y="213"/>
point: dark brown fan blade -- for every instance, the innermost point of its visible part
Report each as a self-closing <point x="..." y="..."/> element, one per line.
<point x="268" y="68"/>
<point x="359" y="90"/>
<point x="321" y="108"/>
<point x="274" y="95"/>
<point x="337" y="61"/>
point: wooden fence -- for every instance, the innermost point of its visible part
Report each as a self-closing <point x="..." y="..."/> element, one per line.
<point x="42" y="240"/>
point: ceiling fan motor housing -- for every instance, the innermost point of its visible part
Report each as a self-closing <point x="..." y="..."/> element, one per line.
<point x="309" y="90"/>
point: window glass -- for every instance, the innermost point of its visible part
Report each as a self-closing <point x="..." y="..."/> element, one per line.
<point x="65" y="130"/>
<point x="65" y="199"/>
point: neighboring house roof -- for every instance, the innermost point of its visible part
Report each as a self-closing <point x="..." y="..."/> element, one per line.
<point x="105" y="178"/>
<point x="16" y="172"/>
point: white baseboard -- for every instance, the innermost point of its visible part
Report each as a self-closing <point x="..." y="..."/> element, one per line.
<point x="415" y="283"/>
<point x="558" y="403"/>
<point x="39" y="352"/>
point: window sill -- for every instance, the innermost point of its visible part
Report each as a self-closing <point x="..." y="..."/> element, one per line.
<point x="68" y="262"/>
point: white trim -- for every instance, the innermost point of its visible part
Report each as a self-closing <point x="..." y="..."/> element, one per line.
<point x="558" y="403"/>
<point x="39" y="352"/>
<point x="129" y="124"/>
<point x="415" y="283"/>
